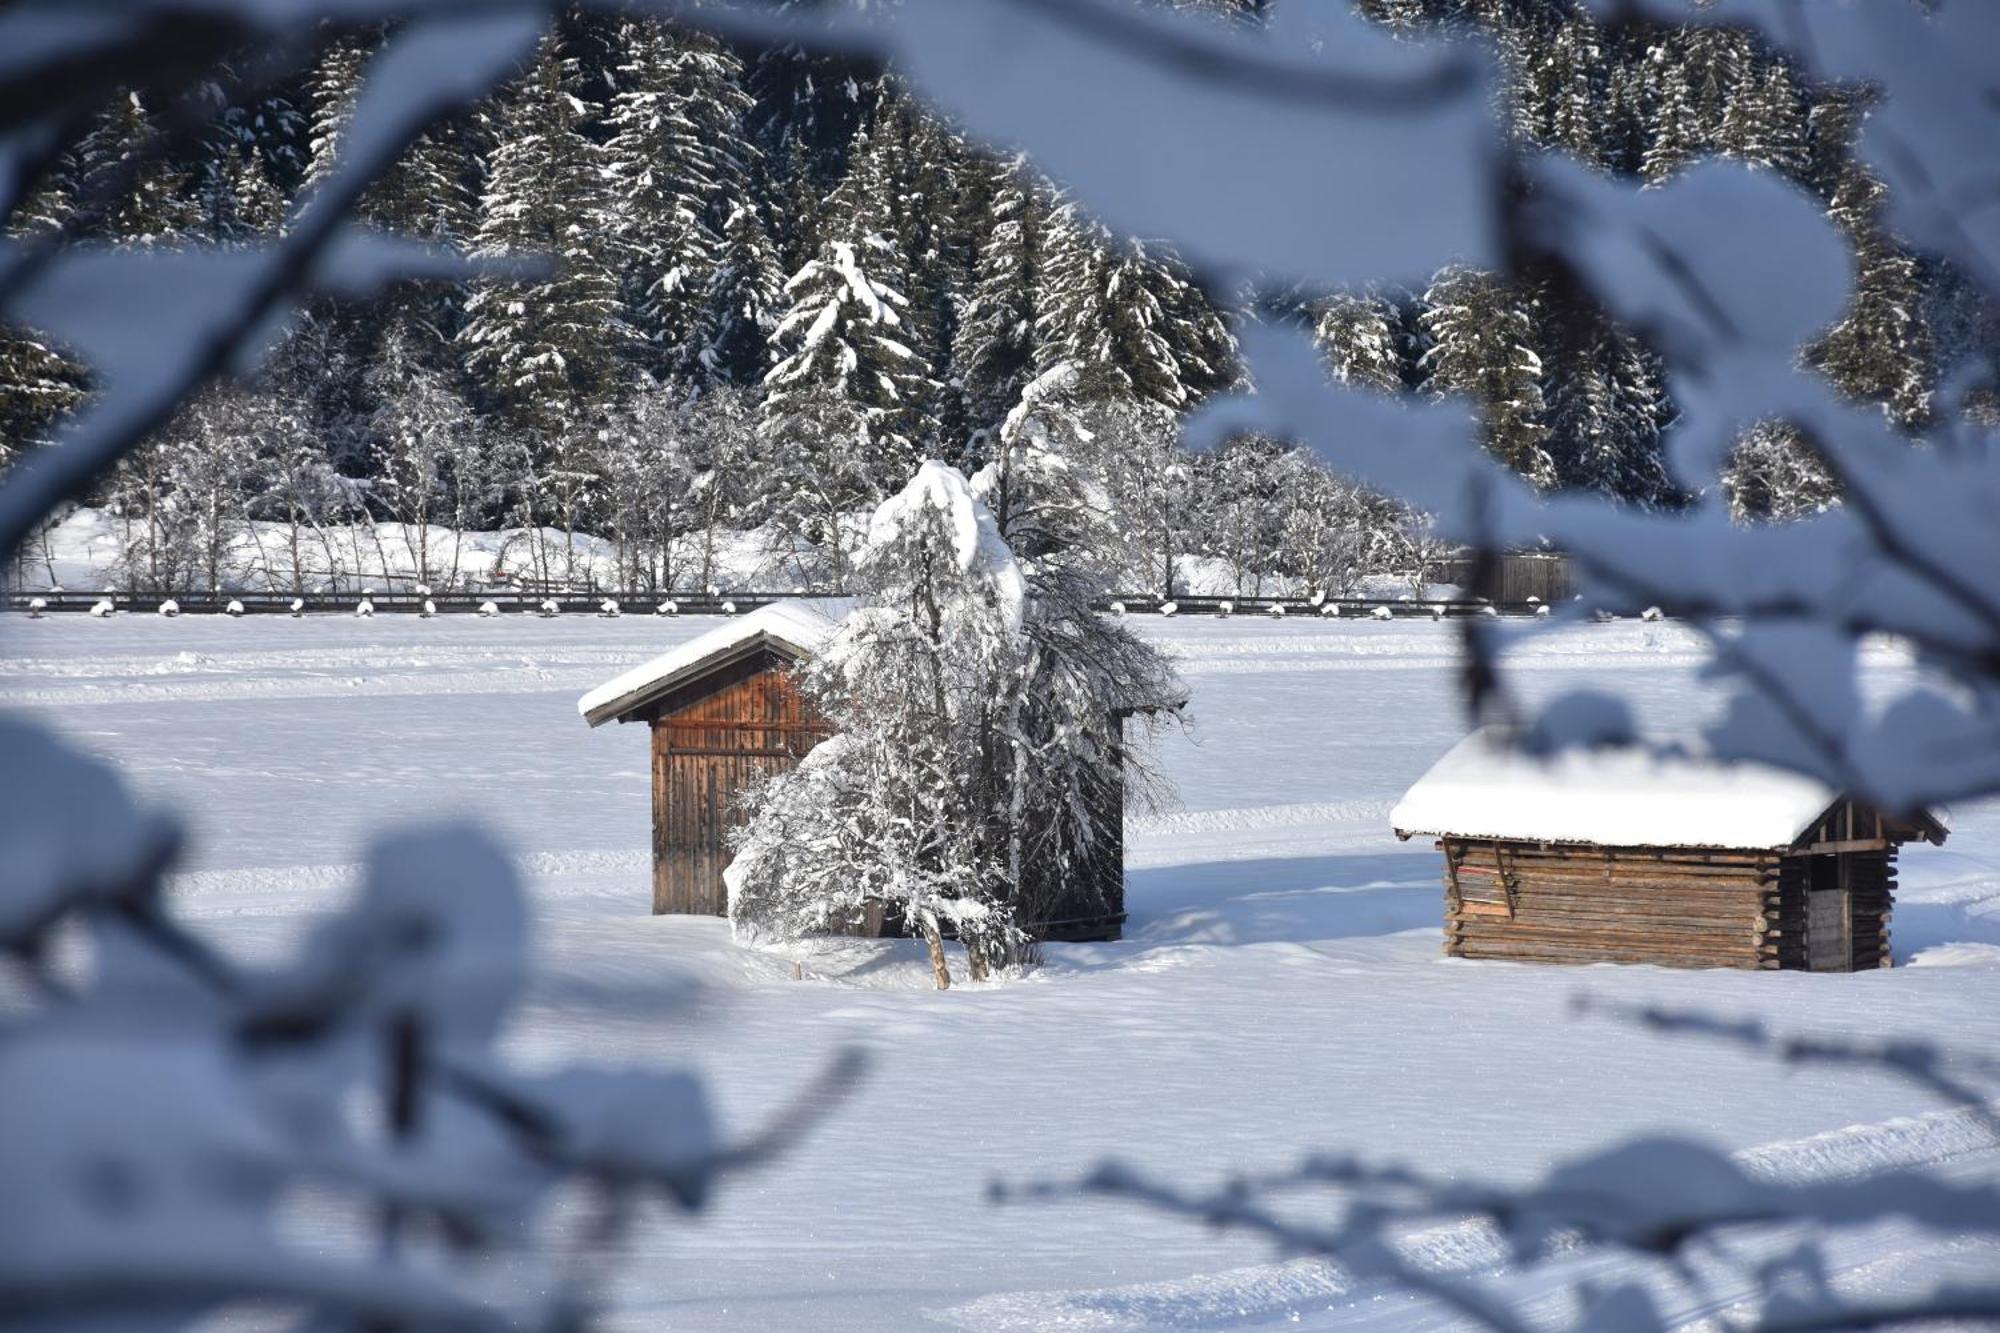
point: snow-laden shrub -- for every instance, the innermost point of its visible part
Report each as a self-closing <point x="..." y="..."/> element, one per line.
<point x="422" y="590"/>
<point x="1277" y="611"/>
<point x="235" y="608"/>
<point x="1169" y="608"/>
<point x="298" y="607"/>
<point x="1225" y="608"/>
<point x="728" y="608"/>
<point x="1118" y="608"/>
<point x="667" y="608"/>
<point x="35" y="608"/>
<point x="170" y="608"/>
<point x="1437" y="612"/>
<point x="428" y="609"/>
<point x="550" y="607"/>
<point x="1330" y="609"/>
<point x="1382" y="613"/>
<point x="489" y="609"/>
<point x="608" y="608"/>
<point x="364" y="609"/>
<point x="1541" y="612"/>
<point x="1652" y="613"/>
<point x="712" y="590"/>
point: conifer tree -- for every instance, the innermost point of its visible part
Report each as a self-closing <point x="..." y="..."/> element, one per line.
<point x="745" y="299"/>
<point x="241" y="201"/>
<point x="681" y="166"/>
<point x="1363" y="340"/>
<point x="549" y="350"/>
<point x="1773" y="476"/>
<point x="1674" y="136"/>
<point x="1133" y="325"/>
<point x="1764" y="121"/>
<point x="844" y="402"/>
<point x="1480" y="336"/>
<point x="426" y="192"/>
<point x="133" y="197"/>
<point x="994" y="350"/>
<point x="37" y="384"/>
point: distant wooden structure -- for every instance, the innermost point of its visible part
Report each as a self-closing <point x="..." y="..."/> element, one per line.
<point x="1674" y="860"/>
<point x="726" y="712"/>
<point x="1518" y="577"/>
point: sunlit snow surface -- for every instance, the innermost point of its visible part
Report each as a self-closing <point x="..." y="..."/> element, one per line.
<point x="1280" y="987"/>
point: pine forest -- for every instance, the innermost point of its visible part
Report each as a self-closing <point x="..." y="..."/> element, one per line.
<point x="759" y="288"/>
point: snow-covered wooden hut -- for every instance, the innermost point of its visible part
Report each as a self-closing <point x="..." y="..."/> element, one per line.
<point x="1672" y="858"/>
<point x="725" y="711"/>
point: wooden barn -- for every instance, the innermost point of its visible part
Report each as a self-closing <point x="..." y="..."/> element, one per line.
<point x="1633" y="857"/>
<point x="725" y="711"/>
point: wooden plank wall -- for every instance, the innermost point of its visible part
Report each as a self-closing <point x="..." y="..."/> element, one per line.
<point x="707" y="750"/>
<point x="1549" y="904"/>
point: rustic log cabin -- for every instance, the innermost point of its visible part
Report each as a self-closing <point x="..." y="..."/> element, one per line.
<point x="1675" y="859"/>
<point x="726" y="711"/>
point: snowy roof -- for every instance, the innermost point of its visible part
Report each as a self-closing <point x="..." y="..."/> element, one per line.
<point x="793" y="628"/>
<point x="1613" y="798"/>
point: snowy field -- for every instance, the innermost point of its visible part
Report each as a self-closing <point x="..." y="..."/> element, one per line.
<point x="1280" y="987"/>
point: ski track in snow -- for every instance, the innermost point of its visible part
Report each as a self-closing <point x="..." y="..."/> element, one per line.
<point x="1279" y="987"/>
<point x="1278" y="1292"/>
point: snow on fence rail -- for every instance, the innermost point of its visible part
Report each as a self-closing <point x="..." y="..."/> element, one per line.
<point x="597" y="602"/>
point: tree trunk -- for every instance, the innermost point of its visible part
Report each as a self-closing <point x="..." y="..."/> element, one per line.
<point x="935" y="941"/>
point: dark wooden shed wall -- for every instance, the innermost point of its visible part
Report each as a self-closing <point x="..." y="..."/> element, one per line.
<point x="711" y="741"/>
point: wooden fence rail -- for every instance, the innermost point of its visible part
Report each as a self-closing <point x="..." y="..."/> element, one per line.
<point x="736" y="603"/>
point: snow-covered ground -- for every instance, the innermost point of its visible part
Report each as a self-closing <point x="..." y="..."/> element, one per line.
<point x="1280" y="987"/>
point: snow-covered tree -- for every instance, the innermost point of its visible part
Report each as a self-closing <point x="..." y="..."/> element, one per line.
<point x="132" y="195"/>
<point x="1479" y="335"/>
<point x="1132" y="323"/>
<point x="1773" y="475"/>
<point x="429" y="456"/>
<point x="427" y="191"/>
<point x="905" y="808"/>
<point x="1363" y="339"/>
<point x="744" y="301"/>
<point x="993" y="352"/>
<point x="842" y="408"/>
<point x="1084" y="673"/>
<point x="1242" y="491"/>
<point x="1334" y="532"/>
<point x="681" y="165"/>
<point x="550" y="350"/>
<point x="1606" y="406"/>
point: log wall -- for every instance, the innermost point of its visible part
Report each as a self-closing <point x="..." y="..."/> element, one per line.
<point x="1552" y="904"/>
<point x="1680" y="907"/>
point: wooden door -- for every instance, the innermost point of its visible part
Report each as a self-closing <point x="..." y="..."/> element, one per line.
<point x="1829" y="916"/>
